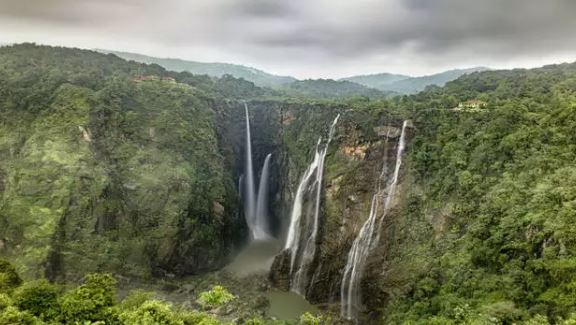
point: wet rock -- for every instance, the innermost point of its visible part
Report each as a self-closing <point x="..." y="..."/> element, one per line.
<point x="388" y="131"/>
<point x="218" y="209"/>
<point x="355" y="152"/>
<point x="261" y="302"/>
<point x="280" y="271"/>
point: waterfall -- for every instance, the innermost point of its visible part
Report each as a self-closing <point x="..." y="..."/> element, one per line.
<point x="368" y="238"/>
<point x="255" y="207"/>
<point x="249" y="192"/>
<point x="309" y="191"/>
<point x="261" y="229"/>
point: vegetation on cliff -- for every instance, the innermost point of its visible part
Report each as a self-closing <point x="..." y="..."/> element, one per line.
<point x="95" y="301"/>
<point x="486" y="233"/>
<point x="111" y="165"/>
<point x="108" y="165"/>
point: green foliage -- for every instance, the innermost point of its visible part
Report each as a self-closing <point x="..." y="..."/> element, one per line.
<point x="102" y="171"/>
<point x="9" y="278"/>
<point x="39" y="297"/>
<point x="5" y="301"/>
<point x="309" y="319"/>
<point x="216" y="297"/>
<point x="92" y="301"/>
<point x="12" y="316"/>
<point x="197" y="318"/>
<point x="329" y="89"/>
<point x="151" y="312"/>
<point x="493" y="226"/>
<point x="135" y="299"/>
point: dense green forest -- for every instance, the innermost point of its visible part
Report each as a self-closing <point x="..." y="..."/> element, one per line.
<point x="117" y="167"/>
<point x="499" y="202"/>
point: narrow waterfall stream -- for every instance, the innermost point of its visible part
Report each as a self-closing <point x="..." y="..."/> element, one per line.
<point x="249" y="191"/>
<point x="261" y="225"/>
<point x="255" y="207"/>
<point x="369" y="235"/>
<point x="304" y="223"/>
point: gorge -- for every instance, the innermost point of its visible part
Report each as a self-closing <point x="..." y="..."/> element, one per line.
<point x="418" y="209"/>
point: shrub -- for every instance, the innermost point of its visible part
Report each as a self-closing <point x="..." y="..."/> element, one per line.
<point x="93" y="301"/>
<point x="12" y="316"/>
<point x="152" y="312"/>
<point x="136" y="298"/>
<point x="198" y="318"/>
<point x="214" y="298"/>
<point x="5" y="301"/>
<point x="40" y="298"/>
<point x="9" y="278"/>
<point x="309" y="319"/>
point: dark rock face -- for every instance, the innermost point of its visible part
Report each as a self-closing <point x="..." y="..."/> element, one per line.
<point x="280" y="271"/>
<point x="353" y="165"/>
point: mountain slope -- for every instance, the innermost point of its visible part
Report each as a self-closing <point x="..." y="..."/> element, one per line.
<point x="329" y="89"/>
<point x="378" y="81"/>
<point x="258" y="77"/>
<point x="417" y="84"/>
<point x="409" y="85"/>
<point x="101" y="169"/>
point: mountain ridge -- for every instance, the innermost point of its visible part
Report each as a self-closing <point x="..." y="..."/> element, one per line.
<point x="214" y="69"/>
<point x="404" y="84"/>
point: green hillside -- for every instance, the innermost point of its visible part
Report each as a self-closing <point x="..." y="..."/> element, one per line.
<point x="258" y="77"/>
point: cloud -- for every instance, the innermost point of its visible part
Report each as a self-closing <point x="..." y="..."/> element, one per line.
<point x="316" y="37"/>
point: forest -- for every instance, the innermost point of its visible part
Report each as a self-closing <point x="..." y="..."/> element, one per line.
<point x="113" y="170"/>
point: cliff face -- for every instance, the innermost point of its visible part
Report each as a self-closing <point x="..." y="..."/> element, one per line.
<point x="109" y="173"/>
<point x="364" y="143"/>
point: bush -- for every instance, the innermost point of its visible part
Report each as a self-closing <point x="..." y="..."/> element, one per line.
<point x="9" y="278"/>
<point x="309" y="319"/>
<point x="152" y="312"/>
<point x="5" y="301"/>
<point x="93" y="301"/>
<point x="214" y="298"/>
<point x="12" y="316"/>
<point x="135" y="299"/>
<point x="198" y="318"/>
<point x="40" y="298"/>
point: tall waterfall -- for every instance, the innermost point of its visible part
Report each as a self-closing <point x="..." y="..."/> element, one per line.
<point x="255" y="208"/>
<point x="369" y="235"/>
<point x="261" y="228"/>
<point x="304" y="223"/>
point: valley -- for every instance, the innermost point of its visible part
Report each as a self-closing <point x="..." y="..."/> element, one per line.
<point x="407" y="209"/>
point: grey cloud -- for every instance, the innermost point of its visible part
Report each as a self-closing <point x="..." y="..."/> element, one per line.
<point x="292" y="34"/>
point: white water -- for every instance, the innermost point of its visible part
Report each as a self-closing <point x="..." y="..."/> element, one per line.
<point x="249" y="191"/>
<point x="368" y="238"/>
<point x="302" y="255"/>
<point x="255" y="207"/>
<point x="261" y="227"/>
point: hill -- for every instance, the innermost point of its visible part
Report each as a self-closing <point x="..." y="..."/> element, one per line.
<point x="410" y="85"/>
<point x="329" y="89"/>
<point x="258" y="77"/>
<point x="378" y="81"/>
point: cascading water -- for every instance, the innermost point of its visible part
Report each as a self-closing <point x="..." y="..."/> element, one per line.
<point x="261" y="229"/>
<point x="310" y="188"/>
<point x="249" y="192"/>
<point x="255" y="208"/>
<point x="369" y="236"/>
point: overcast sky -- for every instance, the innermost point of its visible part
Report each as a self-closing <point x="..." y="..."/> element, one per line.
<point x="309" y="38"/>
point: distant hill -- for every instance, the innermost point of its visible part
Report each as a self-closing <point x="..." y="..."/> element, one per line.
<point x="378" y="81"/>
<point x="330" y="89"/>
<point x="258" y="77"/>
<point x="410" y="85"/>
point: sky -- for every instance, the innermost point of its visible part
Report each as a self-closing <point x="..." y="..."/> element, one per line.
<point x="309" y="38"/>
